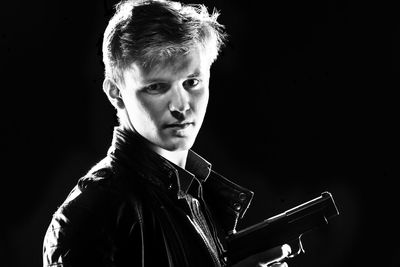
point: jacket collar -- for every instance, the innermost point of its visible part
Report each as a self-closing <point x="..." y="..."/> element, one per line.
<point x="130" y="149"/>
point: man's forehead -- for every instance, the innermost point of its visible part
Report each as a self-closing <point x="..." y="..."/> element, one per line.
<point x="184" y="64"/>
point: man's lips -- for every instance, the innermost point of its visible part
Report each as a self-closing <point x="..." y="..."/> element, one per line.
<point x="181" y="125"/>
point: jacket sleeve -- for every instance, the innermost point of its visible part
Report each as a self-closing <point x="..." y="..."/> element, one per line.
<point x="83" y="232"/>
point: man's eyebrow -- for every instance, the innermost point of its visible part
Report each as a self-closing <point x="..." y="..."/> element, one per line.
<point x="194" y="74"/>
<point x="153" y="80"/>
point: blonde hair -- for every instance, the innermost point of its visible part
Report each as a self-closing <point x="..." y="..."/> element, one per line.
<point x="151" y="31"/>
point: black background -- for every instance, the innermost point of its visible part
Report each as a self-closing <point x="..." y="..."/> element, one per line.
<point x="303" y="100"/>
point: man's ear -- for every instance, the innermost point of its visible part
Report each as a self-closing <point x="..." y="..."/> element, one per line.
<point x="113" y="93"/>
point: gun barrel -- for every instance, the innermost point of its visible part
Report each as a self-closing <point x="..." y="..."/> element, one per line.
<point x="282" y="228"/>
<point x="324" y="204"/>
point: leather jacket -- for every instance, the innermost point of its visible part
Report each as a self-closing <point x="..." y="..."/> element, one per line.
<point x="135" y="208"/>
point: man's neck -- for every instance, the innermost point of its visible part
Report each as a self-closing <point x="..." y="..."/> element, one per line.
<point x="176" y="157"/>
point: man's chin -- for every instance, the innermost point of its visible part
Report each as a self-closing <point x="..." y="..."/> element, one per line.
<point x="179" y="144"/>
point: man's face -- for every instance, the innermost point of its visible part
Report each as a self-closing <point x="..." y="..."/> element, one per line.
<point x="167" y="104"/>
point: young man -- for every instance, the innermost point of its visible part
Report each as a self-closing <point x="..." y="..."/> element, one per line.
<point x="152" y="201"/>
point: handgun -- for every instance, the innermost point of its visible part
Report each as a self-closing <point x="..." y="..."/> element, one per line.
<point x="283" y="228"/>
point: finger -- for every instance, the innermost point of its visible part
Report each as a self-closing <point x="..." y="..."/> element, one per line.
<point x="286" y="250"/>
<point x="280" y="264"/>
<point x="277" y="254"/>
<point x="281" y="253"/>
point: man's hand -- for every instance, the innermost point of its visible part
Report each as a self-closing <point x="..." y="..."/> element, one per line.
<point x="270" y="258"/>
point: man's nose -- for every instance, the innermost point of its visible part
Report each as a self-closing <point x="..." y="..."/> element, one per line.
<point x="180" y="100"/>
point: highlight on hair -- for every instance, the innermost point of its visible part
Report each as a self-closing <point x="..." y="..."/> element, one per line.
<point x="150" y="31"/>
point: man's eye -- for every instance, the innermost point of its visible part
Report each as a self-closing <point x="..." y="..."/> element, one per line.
<point x="191" y="83"/>
<point x="156" y="88"/>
